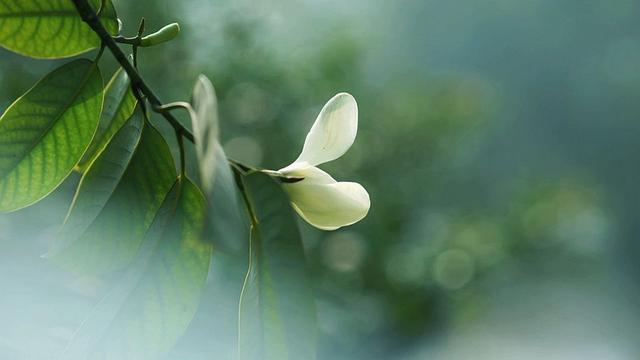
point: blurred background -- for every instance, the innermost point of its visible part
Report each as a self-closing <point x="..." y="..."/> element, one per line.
<point x="497" y="139"/>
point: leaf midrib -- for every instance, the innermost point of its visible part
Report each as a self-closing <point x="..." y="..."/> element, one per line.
<point x="103" y="141"/>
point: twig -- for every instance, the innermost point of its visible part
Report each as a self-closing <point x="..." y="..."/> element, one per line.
<point x="89" y="16"/>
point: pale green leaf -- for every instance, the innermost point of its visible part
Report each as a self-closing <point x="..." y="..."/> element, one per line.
<point x="107" y="237"/>
<point x="119" y="102"/>
<point x="205" y="127"/>
<point x="50" y="28"/>
<point x="225" y="226"/>
<point x="143" y="316"/>
<point x="44" y="133"/>
<point x="277" y="311"/>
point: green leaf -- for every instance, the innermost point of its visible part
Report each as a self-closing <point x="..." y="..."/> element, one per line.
<point x="50" y="28"/>
<point x="143" y="316"/>
<point x="119" y="103"/>
<point x="98" y="185"/>
<point x="225" y="226"/>
<point x="111" y="214"/>
<point x="214" y="329"/>
<point x="44" y="133"/>
<point x="277" y="311"/>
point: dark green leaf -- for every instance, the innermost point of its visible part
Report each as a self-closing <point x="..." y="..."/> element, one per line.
<point x="277" y="312"/>
<point x="50" y="28"/>
<point x="44" y="133"/>
<point x="143" y="316"/>
<point x="225" y="226"/>
<point x="98" y="185"/>
<point x="101" y="236"/>
<point x="119" y="103"/>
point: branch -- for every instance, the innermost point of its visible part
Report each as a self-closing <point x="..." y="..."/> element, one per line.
<point x="89" y="16"/>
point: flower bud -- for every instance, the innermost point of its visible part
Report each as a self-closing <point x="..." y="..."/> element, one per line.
<point x="165" y="34"/>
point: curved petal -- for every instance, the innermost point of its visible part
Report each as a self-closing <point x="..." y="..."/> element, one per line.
<point x="333" y="132"/>
<point x="325" y="203"/>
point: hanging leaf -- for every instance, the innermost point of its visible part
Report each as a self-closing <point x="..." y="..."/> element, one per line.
<point x="98" y="185"/>
<point x="214" y="329"/>
<point x="119" y="103"/>
<point x="205" y="128"/>
<point x="277" y="312"/>
<point x="225" y="226"/>
<point x="50" y="29"/>
<point x="149" y="309"/>
<point x="44" y="133"/>
<point x="111" y="213"/>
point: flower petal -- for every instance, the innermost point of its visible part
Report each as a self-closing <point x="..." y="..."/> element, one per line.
<point x="333" y="132"/>
<point x="325" y="203"/>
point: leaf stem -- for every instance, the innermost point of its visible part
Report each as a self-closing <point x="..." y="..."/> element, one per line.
<point x="100" y="52"/>
<point x="183" y="170"/>
<point x="174" y="106"/>
<point x="89" y="16"/>
<point x="101" y="8"/>
<point x="134" y="47"/>
<point x="238" y="176"/>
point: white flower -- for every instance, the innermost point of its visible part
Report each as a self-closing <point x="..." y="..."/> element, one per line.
<point x="319" y="199"/>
